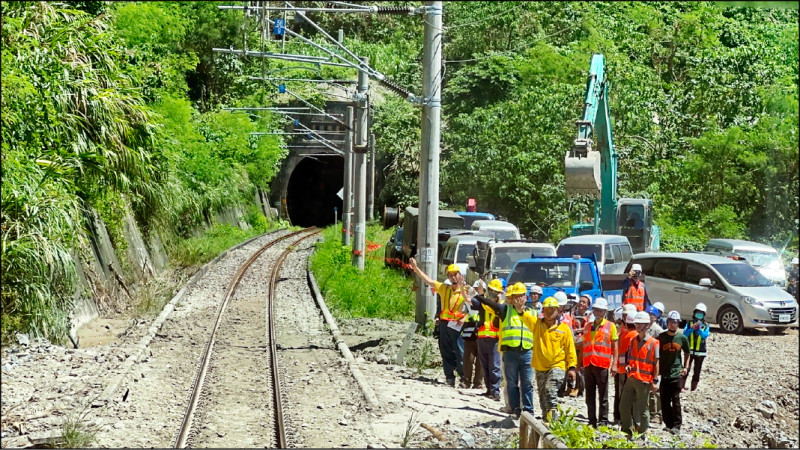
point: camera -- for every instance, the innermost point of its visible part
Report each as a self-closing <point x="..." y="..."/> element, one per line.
<point x="637" y="273"/>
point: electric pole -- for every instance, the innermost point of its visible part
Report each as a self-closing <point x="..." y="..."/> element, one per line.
<point x="371" y="178"/>
<point x="427" y="235"/>
<point x="360" y="166"/>
<point x="347" y="206"/>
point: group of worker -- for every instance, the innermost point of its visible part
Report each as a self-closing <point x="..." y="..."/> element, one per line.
<point x="562" y="344"/>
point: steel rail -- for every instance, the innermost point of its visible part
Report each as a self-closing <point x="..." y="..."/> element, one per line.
<point x="280" y="432"/>
<point x="183" y="434"/>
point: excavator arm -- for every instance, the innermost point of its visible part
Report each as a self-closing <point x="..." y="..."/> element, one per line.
<point x="590" y="167"/>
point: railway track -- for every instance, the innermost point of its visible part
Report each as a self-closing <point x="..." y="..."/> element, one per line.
<point x="240" y="365"/>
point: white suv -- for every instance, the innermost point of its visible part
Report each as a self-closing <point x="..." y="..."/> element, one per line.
<point x="737" y="295"/>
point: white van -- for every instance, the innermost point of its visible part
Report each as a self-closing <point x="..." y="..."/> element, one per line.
<point x="612" y="251"/>
<point x="735" y="294"/>
<point x="763" y="257"/>
<point x="502" y="230"/>
<point x="455" y="251"/>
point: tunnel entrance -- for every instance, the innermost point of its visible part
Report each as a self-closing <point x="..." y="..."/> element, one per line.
<point x="311" y="192"/>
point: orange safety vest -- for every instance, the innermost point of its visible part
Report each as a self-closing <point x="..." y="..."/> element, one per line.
<point x="567" y="319"/>
<point x="625" y="340"/>
<point x="643" y="360"/>
<point x="598" y="351"/>
<point x="488" y="329"/>
<point x="454" y="313"/>
<point x="635" y="295"/>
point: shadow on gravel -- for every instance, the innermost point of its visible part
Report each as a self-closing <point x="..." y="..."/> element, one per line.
<point x="469" y="408"/>
<point x="367" y="344"/>
<point x="422" y="379"/>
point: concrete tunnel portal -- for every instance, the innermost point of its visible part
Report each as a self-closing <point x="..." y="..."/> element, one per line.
<point x="311" y="191"/>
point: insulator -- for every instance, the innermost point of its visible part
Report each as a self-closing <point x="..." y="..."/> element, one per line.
<point x="395" y="88"/>
<point x="395" y="10"/>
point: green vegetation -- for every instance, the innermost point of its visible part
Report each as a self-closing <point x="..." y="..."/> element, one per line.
<point x="376" y="292"/>
<point x="117" y="108"/>
<point x="577" y="435"/>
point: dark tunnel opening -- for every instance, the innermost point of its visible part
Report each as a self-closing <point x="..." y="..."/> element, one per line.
<point x="311" y="193"/>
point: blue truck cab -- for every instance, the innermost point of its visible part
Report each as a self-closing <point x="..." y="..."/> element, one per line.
<point x="571" y="275"/>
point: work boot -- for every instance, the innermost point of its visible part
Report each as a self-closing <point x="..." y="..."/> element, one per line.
<point x="476" y="386"/>
<point x="506" y="409"/>
<point x="463" y="385"/>
<point x="451" y="382"/>
<point x="694" y="385"/>
<point x="496" y="397"/>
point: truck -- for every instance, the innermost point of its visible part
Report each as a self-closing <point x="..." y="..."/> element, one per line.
<point x="590" y="168"/>
<point x="447" y="220"/>
<point x="576" y="275"/>
<point x="494" y="258"/>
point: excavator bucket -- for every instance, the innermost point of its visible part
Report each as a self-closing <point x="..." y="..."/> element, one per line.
<point x="582" y="170"/>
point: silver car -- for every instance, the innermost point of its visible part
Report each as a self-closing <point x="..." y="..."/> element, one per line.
<point x="737" y="295"/>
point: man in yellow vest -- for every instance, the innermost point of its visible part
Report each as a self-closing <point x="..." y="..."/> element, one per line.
<point x="488" y="335"/>
<point x="450" y="318"/>
<point x="516" y="344"/>
<point x="553" y="355"/>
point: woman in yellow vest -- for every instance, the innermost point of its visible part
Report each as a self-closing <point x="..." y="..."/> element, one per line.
<point x="516" y="344"/>
<point x="450" y="318"/>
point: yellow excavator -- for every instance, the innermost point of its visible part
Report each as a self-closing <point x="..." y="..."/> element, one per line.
<point x="590" y="168"/>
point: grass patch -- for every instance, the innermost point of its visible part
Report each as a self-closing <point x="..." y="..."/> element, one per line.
<point x="377" y="292"/>
<point x="76" y="431"/>
<point x="200" y="249"/>
<point x="151" y="296"/>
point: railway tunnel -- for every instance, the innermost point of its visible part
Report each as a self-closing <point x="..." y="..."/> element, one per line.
<point x="311" y="192"/>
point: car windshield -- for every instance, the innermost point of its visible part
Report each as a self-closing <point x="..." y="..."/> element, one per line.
<point x="505" y="257"/>
<point x="761" y="259"/>
<point x="463" y="251"/>
<point x="544" y="274"/>
<point x="741" y="274"/>
<point x="502" y="235"/>
<point x="585" y="250"/>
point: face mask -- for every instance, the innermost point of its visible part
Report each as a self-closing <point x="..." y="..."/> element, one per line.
<point x="591" y="318"/>
<point x="699" y="315"/>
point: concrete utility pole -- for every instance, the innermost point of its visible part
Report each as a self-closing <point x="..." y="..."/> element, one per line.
<point x="427" y="235"/>
<point x="371" y="179"/>
<point x="347" y="206"/>
<point x="360" y="168"/>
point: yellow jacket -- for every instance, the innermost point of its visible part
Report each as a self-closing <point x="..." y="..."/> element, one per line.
<point x="552" y="347"/>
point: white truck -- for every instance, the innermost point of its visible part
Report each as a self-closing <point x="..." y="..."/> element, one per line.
<point x="494" y="258"/>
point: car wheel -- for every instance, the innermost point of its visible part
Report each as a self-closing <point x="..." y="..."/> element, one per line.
<point x="730" y="320"/>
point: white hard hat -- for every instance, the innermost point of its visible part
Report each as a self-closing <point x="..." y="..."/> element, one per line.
<point x="674" y="315"/>
<point x="795" y="261"/>
<point x="659" y="306"/>
<point x="641" y="317"/>
<point x="630" y="307"/>
<point x="701" y="307"/>
<point x="536" y="290"/>
<point x="631" y="318"/>
<point x="561" y="296"/>
<point x="636" y="267"/>
<point x="601" y="303"/>
<point x="479" y="283"/>
<point x="618" y="314"/>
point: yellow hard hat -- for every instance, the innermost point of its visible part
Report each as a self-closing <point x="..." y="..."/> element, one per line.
<point x="550" y="302"/>
<point x="517" y="289"/>
<point x="453" y="268"/>
<point x="496" y="285"/>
